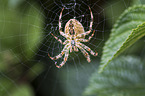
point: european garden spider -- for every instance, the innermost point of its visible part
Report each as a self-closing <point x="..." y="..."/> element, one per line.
<point x="74" y="34"/>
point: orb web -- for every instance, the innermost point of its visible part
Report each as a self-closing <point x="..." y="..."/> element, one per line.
<point x="26" y="45"/>
<point x="76" y="65"/>
<point x="80" y="11"/>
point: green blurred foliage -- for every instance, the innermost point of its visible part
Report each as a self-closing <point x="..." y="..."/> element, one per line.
<point x="138" y="2"/>
<point x="9" y="88"/>
<point x="21" y="33"/>
<point x="15" y="3"/>
<point x="23" y="90"/>
<point x="123" y="76"/>
<point x="20" y="36"/>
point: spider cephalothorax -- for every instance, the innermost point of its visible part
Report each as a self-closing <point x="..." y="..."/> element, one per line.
<point x="74" y="34"/>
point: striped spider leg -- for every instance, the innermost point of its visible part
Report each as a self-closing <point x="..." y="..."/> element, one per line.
<point x="91" y="24"/>
<point x="59" y="40"/>
<point x="64" y="51"/>
<point x="59" y="55"/>
<point x="88" y="49"/>
<point x="64" y="60"/>
<point x="86" y="40"/>
<point x="60" y="27"/>
<point x="84" y="53"/>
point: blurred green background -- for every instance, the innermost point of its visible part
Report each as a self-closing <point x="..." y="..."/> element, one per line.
<point x="25" y="68"/>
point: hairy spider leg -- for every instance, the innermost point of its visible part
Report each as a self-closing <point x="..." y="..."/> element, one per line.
<point x="64" y="60"/>
<point x="91" y="24"/>
<point x="60" y="27"/>
<point x="84" y="53"/>
<point x="59" y="55"/>
<point x="65" y="42"/>
<point x="76" y="49"/>
<point x="87" y="40"/>
<point x="59" y="40"/>
<point x="88" y="49"/>
<point x="71" y="49"/>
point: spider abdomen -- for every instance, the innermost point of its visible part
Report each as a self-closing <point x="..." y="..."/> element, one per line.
<point x="75" y="27"/>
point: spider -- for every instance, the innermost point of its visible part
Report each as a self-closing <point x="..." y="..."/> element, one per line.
<point x="74" y="34"/>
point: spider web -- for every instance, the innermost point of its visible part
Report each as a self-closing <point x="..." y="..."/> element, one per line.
<point x="24" y="51"/>
<point x="79" y="12"/>
<point x="76" y="63"/>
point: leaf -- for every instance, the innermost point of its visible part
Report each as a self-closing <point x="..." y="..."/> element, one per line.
<point x="127" y="30"/>
<point x="124" y="76"/>
<point x="34" y="33"/>
<point x="23" y="90"/>
<point x="8" y="87"/>
<point x="135" y="2"/>
<point x="20" y="34"/>
<point x="14" y="3"/>
<point x="5" y="86"/>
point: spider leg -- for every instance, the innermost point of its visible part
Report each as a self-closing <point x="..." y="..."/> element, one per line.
<point x="65" y="42"/>
<point x="70" y="49"/>
<point x="75" y="49"/>
<point x="57" y="38"/>
<point x="87" y="40"/>
<point x="60" y="27"/>
<point x="59" y="55"/>
<point x="84" y="53"/>
<point x="64" y="60"/>
<point x="91" y="24"/>
<point x="88" y="49"/>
